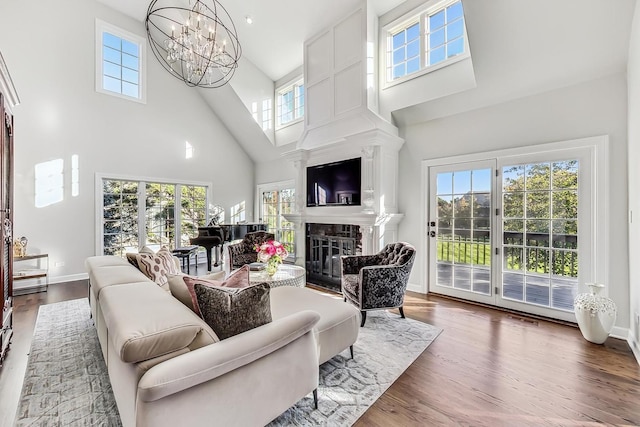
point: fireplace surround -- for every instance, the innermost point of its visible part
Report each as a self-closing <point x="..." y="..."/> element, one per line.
<point x="342" y="121"/>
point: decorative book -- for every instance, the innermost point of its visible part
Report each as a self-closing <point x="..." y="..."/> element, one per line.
<point x="256" y="266"/>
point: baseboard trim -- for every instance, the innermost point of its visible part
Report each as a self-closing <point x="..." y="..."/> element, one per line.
<point x="68" y="278"/>
<point x="619" y="332"/>
<point x="635" y="346"/>
<point x="416" y="288"/>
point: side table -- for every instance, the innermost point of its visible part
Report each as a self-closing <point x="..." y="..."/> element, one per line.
<point x="287" y="275"/>
<point x="34" y="271"/>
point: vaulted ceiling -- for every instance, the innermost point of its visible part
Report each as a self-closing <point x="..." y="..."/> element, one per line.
<point x="273" y="42"/>
<point x="519" y="47"/>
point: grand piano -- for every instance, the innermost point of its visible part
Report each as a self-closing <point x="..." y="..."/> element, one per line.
<point x="214" y="236"/>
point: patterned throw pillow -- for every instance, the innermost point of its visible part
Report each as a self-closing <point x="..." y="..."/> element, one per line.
<point x="231" y="311"/>
<point x="132" y="256"/>
<point x="157" y="266"/>
<point x="237" y="279"/>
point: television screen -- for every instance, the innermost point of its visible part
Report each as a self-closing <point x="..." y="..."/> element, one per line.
<point x="334" y="184"/>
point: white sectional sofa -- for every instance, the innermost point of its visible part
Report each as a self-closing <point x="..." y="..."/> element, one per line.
<point x="167" y="368"/>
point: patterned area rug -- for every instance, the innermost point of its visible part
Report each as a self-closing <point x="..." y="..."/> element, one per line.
<point x="386" y="346"/>
<point x="66" y="382"/>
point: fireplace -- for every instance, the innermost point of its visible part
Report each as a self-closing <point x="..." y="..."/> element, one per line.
<point x="325" y="245"/>
<point x="343" y="122"/>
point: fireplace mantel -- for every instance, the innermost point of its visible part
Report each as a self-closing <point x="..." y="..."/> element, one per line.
<point x="362" y="219"/>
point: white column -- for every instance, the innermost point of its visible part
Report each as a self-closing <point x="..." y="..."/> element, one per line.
<point x="368" y="191"/>
<point x="300" y="163"/>
<point x="367" y="239"/>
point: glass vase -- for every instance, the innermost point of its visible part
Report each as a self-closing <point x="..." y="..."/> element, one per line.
<point x="272" y="267"/>
<point x="595" y="314"/>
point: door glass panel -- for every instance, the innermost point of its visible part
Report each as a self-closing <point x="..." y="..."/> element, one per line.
<point x="160" y="215"/>
<point x="193" y="210"/>
<point x="274" y="204"/>
<point x="540" y="233"/>
<point x="464" y="230"/>
<point x="120" y="217"/>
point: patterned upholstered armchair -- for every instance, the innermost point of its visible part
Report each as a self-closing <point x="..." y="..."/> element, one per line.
<point x="379" y="281"/>
<point x="243" y="252"/>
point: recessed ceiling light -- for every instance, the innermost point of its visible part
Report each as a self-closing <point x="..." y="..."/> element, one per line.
<point x="248" y="19"/>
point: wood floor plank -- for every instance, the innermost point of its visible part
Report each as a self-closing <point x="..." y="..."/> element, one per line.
<point x="490" y="368"/>
<point x="487" y="368"/>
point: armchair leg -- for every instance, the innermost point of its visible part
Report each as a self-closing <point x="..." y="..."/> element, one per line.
<point x="351" y="350"/>
<point x="401" y="312"/>
<point x="315" y="398"/>
<point x="364" y="318"/>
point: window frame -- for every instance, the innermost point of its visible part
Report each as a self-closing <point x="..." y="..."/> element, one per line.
<point x="420" y="15"/>
<point x="259" y="208"/>
<point x="101" y="28"/>
<point x="291" y="86"/>
<point x="141" y="209"/>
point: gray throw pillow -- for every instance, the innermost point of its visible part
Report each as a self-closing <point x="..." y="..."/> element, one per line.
<point x="231" y="311"/>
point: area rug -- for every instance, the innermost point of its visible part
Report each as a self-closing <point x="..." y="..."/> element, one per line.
<point x="66" y="381"/>
<point x="386" y="346"/>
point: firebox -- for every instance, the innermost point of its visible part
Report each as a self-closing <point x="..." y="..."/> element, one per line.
<point x="325" y="244"/>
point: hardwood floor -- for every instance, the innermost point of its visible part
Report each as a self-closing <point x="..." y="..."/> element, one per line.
<point x="487" y="368"/>
<point x="493" y="368"/>
<point x="25" y="312"/>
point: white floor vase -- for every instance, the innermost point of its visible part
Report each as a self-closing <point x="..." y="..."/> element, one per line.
<point x="595" y="314"/>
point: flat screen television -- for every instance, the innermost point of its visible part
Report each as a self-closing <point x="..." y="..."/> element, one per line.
<point x="334" y="184"/>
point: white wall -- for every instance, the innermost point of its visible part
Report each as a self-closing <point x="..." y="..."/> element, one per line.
<point x="633" y="76"/>
<point x="598" y="107"/>
<point x="52" y="65"/>
<point x="252" y="85"/>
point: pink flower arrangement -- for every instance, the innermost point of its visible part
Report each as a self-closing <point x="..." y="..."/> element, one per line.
<point x="271" y="251"/>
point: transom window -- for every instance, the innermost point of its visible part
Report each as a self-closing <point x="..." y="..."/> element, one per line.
<point x="445" y="34"/>
<point x="119" y="62"/>
<point x="290" y="103"/>
<point x="425" y="40"/>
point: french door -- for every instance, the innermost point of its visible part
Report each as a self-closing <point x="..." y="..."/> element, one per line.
<point x="513" y="231"/>
<point x="276" y="200"/>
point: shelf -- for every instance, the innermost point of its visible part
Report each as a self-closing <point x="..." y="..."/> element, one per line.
<point x="33" y="271"/>
<point x="28" y="257"/>
<point x="20" y="276"/>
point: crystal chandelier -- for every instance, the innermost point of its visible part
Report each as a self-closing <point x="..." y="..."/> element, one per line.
<point x="196" y="41"/>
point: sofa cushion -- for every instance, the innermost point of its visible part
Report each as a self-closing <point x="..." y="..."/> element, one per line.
<point x="237" y="279"/>
<point x="231" y="311"/>
<point x="339" y="323"/>
<point x="157" y="266"/>
<point x="145" y="322"/>
<point x="180" y="290"/>
<point x="115" y="274"/>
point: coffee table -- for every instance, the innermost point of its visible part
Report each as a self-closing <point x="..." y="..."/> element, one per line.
<point x="287" y="275"/>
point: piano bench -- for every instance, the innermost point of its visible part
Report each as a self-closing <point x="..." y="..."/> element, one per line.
<point x="184" y="254"/>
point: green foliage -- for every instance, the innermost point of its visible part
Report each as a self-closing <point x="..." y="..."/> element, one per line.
<point x="120" y="213"/>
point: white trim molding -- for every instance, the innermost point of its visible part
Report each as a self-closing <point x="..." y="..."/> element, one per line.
<point x="6" y="84"/>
